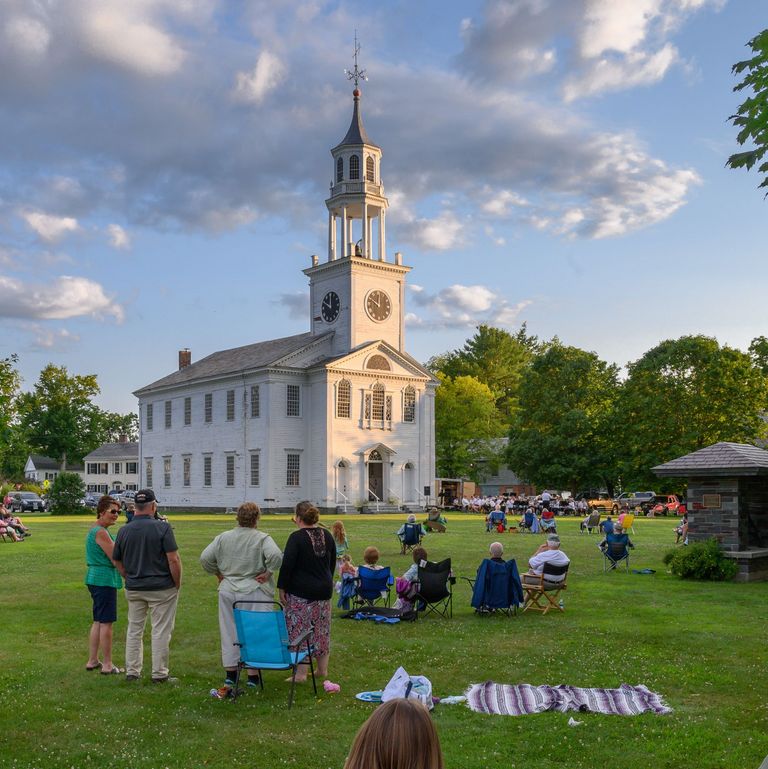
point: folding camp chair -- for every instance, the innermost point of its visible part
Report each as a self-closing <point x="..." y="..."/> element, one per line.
<point x="538" y="588"/>
<point x="496" y="519"/>
<point x="627" y="522"/>
<point x="615" y="553"/>
<point x="496" y="588"/>
<point x="433" y="588"/>
<point x="527" y="523"/>
<point x="411" y="537"/>
<point x="592" y="522"/>
<point x="263" y="640"/>
<point x="373" y="586"/>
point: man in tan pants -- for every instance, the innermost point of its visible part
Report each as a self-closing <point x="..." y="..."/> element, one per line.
<point x="147" y="556"/>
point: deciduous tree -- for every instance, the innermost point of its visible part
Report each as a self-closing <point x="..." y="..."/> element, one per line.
<point x="59" y="417"/>
<point x="683" y="395"/>
<point x="752" y="115"/>
<point x="559" y="438"/>
<point x="115" y="425"/>
<point x="467" y="427"/>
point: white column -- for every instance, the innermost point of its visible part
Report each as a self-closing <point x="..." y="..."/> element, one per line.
<point x="370" y="238"/>
<point x="382" y="241"/>
<point x="344" y="229"/>
<point x="364" y="229"/>
<point x="350" y="238"/>
<point x="331" y="254"/>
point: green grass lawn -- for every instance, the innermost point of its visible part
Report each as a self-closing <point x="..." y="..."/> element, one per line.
<point x="702" y="646"/>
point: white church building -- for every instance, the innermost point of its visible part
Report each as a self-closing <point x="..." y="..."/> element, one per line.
<point x="340" y="415"/>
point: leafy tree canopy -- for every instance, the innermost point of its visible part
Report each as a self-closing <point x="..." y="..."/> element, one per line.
<point x="58" y="416"/>
<point x="66" y="493"/>
<point x="467" y="427"/>
<point x="494" y="357"/>
<point x="752" y="115"/>
<point x="115" y="425"/>
<point x="683" y="395"/>
<point x="559" y="438"/>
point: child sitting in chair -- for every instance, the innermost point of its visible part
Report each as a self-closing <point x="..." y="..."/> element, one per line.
<point x="345" y="586"/>
<point x="371" y="558"/>
<point x="404" y="584"/>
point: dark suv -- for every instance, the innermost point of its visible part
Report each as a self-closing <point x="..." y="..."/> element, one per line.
<point x="26" y="502"/>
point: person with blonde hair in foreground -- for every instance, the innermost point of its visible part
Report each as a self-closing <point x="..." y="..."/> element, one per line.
<point x="399" y="735"/>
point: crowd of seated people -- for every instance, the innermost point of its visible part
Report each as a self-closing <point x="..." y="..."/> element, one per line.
<point x="11" y="526"/>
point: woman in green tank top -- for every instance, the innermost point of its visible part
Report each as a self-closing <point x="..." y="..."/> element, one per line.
<point x="103" y="582"/>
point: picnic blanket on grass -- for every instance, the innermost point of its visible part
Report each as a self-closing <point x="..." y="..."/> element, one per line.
<point x="524" y="699"/>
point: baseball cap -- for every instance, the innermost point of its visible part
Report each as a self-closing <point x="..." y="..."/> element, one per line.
<point x="144" y="496"/>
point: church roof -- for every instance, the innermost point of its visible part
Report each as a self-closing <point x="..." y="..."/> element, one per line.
<point x="356" y="133"/>
<point x="224" y="362"/>
<point x="719" y="459"/>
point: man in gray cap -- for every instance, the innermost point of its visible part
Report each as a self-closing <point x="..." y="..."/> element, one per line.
<point x="147" y="556"/>
<point x="548" y="552"/>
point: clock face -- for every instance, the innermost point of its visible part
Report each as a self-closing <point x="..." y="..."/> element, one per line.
<point x="377" y="305"/>
<point x="330" y="307"/>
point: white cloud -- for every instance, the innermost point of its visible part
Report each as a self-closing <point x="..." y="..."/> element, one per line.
<point x="500" y="202"/>
<point x="460" y="306"/>
<point x="123" y="33"/>
<point x="616" y="26"/>
<point x="440" y="233"/>
<point x="118" y="237"/>
<point x="635" y="69"/>
<point x="253" y="87"/>
<point x="52" y="339"/>
<point x="28" y="36"/>
<point x="65" y="297"/>
<point x="49" y="227"/>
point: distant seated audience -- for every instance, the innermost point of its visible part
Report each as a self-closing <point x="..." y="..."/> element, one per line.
<point x="404" y="585"/>
<point x="681" y="530"/>
<point x="410" y="533"/>
<point x="436" y="521"/>
<point x="6" y="526"/>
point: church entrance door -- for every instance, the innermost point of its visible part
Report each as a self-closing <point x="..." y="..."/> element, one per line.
<point x="375" y="477"/>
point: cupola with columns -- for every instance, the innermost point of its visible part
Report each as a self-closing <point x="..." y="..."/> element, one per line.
<point x="357" y="292"/>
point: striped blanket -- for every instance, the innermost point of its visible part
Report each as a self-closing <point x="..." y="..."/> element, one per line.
<point x="524" y="699"/>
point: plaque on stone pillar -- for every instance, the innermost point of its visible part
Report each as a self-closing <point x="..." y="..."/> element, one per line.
<point x="710" y="501"/>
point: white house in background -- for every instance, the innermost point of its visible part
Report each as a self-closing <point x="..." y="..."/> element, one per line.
<point x="340" y="415"/>
<point x="112" y="466"/>
<point x="40" y="469"/>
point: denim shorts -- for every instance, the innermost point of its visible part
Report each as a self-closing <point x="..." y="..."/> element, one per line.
<point x="104" y="603"/>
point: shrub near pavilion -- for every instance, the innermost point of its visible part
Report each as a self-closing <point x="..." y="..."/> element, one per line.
<point x="701" y="560"/>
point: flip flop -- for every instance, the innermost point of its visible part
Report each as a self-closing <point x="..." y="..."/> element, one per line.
<point x="93" y="667"/>
<point x="114" y="672"/>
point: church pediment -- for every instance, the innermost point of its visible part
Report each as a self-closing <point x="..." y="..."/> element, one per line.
<point x="379" y="359"/>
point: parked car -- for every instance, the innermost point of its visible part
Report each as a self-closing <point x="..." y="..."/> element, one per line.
<point x="127" y="500"/>
<point x="91" y="500"/>
<point x="631" y="500"/>
<point x="26" y="502"/>
<point x="597" y="500"/>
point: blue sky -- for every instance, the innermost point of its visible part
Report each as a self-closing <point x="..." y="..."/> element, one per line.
<point x="165" y="163"/>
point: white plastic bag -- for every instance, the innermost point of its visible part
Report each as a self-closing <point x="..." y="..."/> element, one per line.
<point x="408" y="687"/>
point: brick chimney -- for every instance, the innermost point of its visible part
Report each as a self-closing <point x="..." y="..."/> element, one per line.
<point x="122" y="438"/>
<point x="185" y="358"/>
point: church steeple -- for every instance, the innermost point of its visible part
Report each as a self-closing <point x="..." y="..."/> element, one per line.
<point x="356" y="133"/>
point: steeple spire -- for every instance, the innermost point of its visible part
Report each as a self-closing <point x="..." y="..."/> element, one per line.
<point x="356" y="133"/>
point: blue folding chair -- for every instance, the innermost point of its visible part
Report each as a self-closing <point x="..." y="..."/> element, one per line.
<point x="373" y="585"/>
<point x="497" y="588"/>
<point x="263" y="640"/>
<point x="615" y="553"/>
<point x="495" y="518"/>
<point x="411" y="537"/>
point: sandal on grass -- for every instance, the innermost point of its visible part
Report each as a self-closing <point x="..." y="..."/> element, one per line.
<point x="97" y="666"/>
<point x="114" y="672"/>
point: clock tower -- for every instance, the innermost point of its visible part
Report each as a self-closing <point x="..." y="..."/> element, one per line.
<point x="357" y="292"/>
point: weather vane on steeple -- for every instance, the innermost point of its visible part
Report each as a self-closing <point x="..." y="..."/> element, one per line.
<point x="356" y="74"/>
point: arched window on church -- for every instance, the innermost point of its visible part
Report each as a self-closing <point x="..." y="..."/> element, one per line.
<point x="354" y="167"/>
<point x="378" y="363"/>
<point x="409" y="404"/>
<point x="344" y="399"/>
<point x="370" y="170"/>
<point x="375" y="456"/>
<point x="339" y="170"/>
<point x="377" y="403"/>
